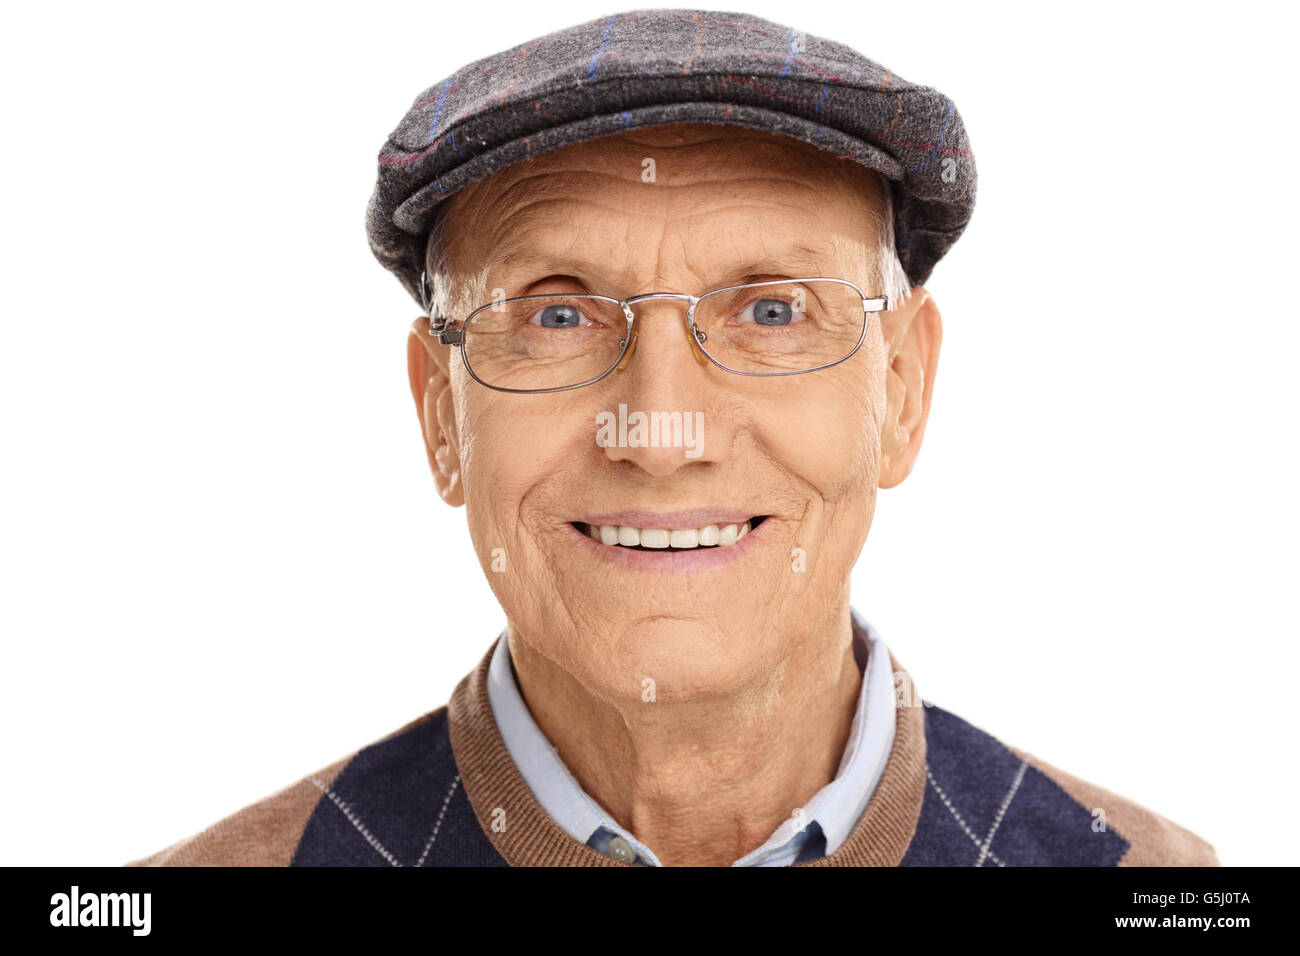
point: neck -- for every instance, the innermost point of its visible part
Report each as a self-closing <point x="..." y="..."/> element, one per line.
<point x="705" y="782"/>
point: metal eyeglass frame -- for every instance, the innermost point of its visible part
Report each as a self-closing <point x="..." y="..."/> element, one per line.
<point x="449" y="334"/>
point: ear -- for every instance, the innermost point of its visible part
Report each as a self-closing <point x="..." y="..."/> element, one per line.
<point x="427" y="366"/>
<point x="912" y="337"/>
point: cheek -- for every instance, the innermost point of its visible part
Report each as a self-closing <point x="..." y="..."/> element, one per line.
<point x="498" y="466"/>
<point x="828" y="433"/>
<point x="514" y="445"/>
<point x="493" y="480"/>
<point x="495" y="457"/>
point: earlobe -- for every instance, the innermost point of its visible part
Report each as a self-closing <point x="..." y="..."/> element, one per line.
<point x="431" y="389"/>
<point x="909" y="384"/>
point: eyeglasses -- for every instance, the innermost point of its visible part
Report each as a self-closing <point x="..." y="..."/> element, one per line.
<point x="551" y="343"/>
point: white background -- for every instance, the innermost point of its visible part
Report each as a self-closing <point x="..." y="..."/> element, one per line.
<point x="223" y="561"/>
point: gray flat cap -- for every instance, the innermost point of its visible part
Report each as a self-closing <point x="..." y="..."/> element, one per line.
<point x="650" y="67"/>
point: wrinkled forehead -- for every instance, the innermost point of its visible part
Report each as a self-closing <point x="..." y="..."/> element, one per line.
<point x="493" y="218"/>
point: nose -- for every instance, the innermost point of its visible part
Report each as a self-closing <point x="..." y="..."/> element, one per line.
<point x="664" y="381"/>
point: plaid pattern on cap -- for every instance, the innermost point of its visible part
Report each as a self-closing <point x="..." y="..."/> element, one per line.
<point x="650" y="67"/>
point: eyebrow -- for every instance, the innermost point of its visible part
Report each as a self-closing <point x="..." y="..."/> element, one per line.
<point x="800" y="260"/>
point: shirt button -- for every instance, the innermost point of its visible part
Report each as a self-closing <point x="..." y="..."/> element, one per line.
<point x="621" y="850"/>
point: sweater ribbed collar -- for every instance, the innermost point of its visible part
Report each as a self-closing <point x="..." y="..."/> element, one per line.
<point x="525" y="835"/>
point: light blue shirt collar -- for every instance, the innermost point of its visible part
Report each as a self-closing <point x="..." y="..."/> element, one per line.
<point x="832" y="812"/>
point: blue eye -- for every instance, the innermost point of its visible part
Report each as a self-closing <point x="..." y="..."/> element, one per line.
<point x="557" y="317"/>
<point x="772" y="312"/>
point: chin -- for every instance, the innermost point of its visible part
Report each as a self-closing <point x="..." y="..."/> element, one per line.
<point x="687" y="659"/>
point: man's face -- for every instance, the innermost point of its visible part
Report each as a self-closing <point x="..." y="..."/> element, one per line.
<point x="726" y="205"/>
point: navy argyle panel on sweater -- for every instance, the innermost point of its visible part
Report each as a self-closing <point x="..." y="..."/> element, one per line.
<point x="984" y="806"/>
<point x="398" y="802"/>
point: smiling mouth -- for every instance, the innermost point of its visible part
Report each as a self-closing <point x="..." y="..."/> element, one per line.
<point x="661" y="539"/>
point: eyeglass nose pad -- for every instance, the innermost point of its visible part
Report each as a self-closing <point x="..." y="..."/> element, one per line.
<point x="698" y="336"/>
<point x="627" y="356"/>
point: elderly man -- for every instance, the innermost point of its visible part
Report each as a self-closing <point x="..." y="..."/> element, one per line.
<point x="677" y="339"/>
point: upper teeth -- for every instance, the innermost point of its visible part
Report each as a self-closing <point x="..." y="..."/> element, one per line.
<point x="629" y="537"/>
